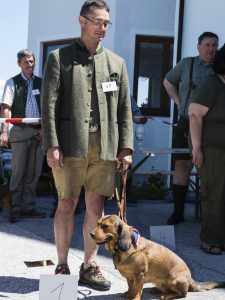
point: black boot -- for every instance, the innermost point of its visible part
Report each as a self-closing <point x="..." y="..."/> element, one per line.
<point x="179" y="194"/>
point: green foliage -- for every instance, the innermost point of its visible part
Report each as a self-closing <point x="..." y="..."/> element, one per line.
<point x="151" y="189"/>
<point x="4" y="181"/>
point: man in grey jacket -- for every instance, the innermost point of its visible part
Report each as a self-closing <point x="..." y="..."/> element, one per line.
<point x="87" y="125"/>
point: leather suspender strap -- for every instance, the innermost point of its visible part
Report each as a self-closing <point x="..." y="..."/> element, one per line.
<point x="121" y="196"/>
<point x="191" y="85"/>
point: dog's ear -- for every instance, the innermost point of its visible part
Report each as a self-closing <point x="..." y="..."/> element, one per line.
<point x="124" y="240"/>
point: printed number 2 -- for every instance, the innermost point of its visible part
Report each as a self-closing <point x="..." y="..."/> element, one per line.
<point x="58" y="287"/>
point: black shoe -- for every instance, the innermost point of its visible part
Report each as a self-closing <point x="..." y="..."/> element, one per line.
<point x="93" y="277"/>
<point x="175" y="218"/>
<point x="62" y="269"/>
<point x="16" y="216"/>
<point x="32" y="213"/>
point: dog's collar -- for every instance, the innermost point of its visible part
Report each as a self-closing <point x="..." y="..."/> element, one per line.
<point x="136" y="236"/>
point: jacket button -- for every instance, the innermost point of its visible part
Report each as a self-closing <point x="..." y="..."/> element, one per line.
<point x="86" y="120"/>
<point x="89" y="74"/>
<point x="89" y="89"/>
<point x="90" y="58"/>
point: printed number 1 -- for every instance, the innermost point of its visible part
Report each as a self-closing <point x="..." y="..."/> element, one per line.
<point x="58" y="287"/>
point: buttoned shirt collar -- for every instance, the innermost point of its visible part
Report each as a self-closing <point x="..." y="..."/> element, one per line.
<point x="98" y="50"/>
<point x="199" y="62"/>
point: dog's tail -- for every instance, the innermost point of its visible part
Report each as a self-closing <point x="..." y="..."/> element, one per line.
<point x="205" y="286"/>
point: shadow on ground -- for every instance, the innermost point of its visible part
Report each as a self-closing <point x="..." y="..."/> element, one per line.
<point x="18" y="285"/>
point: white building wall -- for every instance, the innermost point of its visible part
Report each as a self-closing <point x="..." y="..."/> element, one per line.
<point x="51" y="20"/>
<point x="200" y="16"/>
<point x="145" y="17"/>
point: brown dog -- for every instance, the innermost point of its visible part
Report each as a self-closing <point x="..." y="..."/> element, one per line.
<point x="140" y="261"/>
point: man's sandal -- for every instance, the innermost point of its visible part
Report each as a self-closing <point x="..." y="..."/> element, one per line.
<point x="213" y="249"/>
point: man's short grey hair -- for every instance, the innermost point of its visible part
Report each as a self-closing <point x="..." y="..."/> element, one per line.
<point x="23" y="53"/>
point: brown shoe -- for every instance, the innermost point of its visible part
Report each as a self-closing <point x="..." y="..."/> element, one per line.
<point x="93" y="277"/>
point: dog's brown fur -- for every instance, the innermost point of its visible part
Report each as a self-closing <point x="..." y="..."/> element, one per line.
<point x="5" y="200"/>
<point x="146" y="262"/>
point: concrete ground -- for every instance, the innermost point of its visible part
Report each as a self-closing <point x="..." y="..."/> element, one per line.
<point x="32" y="239"/>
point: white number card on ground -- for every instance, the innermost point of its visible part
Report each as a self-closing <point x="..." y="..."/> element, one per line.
<point x="163" y="235"/>
<point x="58" y="287"/>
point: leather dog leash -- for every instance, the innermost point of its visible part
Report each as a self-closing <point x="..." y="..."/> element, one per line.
<point x="121" y="202"/>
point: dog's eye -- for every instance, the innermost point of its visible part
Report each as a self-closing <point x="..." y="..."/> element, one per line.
<point x="105" y="226"/>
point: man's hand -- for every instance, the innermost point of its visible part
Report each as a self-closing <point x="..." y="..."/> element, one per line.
<point x="197" y="157"/>
<point x="125" y="159"/>
<point x="38" y="135"/>
<point x="4" y="139"/>
<point x="54" y="158"/>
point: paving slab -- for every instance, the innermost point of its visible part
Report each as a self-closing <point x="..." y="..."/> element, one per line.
<point x="33" y="239"/>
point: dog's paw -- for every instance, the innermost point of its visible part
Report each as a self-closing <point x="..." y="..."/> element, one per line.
<point x="128" y="295"/>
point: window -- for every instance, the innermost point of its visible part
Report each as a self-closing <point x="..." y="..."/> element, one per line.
<point x="50" y="46"/>
<point x="153" y="59"/>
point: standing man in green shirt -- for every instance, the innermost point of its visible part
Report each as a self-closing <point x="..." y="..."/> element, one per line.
<point x="178" y="83"/>
<point x="87" y="125"/>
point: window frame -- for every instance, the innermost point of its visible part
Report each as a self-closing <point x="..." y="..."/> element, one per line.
<point x="47" y="44"/>
<point x="167" y="42"/>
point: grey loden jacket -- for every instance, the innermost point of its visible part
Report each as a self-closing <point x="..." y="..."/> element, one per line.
<point x="65" y="113"/>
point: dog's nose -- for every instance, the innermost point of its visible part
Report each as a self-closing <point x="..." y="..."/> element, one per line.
<point x="92" y="235"/>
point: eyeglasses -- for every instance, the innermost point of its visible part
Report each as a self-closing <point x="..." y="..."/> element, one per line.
<point x="99" y="23"/>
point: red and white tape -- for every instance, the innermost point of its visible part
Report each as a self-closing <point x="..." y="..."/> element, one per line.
<point x="20" y="120"/>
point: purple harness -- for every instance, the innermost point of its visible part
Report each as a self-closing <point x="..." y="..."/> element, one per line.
<point x="136" y="235"/>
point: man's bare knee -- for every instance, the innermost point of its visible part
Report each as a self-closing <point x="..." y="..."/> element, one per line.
<point x="182" y="172"/>
<point x="67" y="206"/>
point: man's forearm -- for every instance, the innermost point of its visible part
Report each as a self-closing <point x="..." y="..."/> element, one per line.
<point x="196" y="130"/>
<point x="172" y="91"/>
<point x="5" y="113"/>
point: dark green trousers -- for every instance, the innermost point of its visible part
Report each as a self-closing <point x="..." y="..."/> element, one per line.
<point x="212" y="176"/>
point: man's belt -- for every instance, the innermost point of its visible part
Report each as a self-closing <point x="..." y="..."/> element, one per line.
<point x="94" y="128"/>
<point x="23" y="125"/>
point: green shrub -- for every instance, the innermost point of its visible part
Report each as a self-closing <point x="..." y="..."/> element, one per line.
<point x="151" y="189"/>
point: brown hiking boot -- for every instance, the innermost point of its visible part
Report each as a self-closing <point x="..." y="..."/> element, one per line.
<point x="93" y="277"/>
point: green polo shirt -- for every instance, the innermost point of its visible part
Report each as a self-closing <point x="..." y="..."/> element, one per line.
<point x="180" y="77"/>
